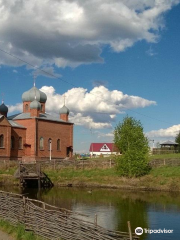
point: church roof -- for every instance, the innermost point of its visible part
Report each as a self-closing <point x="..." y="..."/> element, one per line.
<point x="33" y="93"/>
<point x="43" y="116"/>
<point x="15" y="124"/>
<point x="35" y="105"/>
<point x="3" y="108"/>
<point x="64" y="110"/>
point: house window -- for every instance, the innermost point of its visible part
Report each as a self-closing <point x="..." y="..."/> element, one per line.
<point x="20" y="143"/>
<point x="26" y="107"/>
<point x="12" y="142"/>
<point x="41" y="143"/>
<point x="49" y="144"/>
<point x="58" y="145"/>
<point x="1" y="141"/>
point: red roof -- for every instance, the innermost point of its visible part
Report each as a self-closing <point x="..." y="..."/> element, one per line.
<point x="102" y="147"/>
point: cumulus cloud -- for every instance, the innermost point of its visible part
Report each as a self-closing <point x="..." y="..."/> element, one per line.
<point x="167" y="132"/>
<point x="70" y="33"/>
<point x="15" y="108"/>
<point x="95" y="109"/>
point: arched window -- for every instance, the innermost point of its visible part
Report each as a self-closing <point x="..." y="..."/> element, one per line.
<point x="20" y="143"/>
<point x="58" y="145"/>
<point x="1" y="141"/>
<point x="41" y="143"/>
<point x="26" y="107"/>
<point x="12" y="142"/>
<point x="49" y="144"/>
<point x="41" y="107"/>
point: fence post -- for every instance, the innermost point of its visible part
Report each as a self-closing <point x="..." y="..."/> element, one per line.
<point x="129" y="229"/>
<point x="95" y="219"/>
<point x="110" y="164"/>
<point x="24" y="211"/>
<point x="44" y="209"/>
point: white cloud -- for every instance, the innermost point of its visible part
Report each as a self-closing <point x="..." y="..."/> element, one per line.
<point x="167" y="132"/>
<point x="70" y="33"/>
<point x="15" y="108"/>
<point x="15" y="71"/>
<point x="95" y="109"/>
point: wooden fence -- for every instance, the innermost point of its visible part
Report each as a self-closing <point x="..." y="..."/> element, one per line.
<point x="78" y="164"/>
<point x="165" y="162"/>
<point x="51" y="222"/>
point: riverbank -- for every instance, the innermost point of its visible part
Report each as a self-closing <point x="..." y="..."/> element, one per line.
<point x="165" y="178"/>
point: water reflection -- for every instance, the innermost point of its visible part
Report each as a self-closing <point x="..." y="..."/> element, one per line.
<point x="114" y="208"/>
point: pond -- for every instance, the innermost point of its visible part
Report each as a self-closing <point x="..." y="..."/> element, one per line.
<point x="149" y="210"/>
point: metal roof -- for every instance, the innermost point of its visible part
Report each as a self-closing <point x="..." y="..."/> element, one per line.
<point x="43" y="116"/>
<point x="15" y="124"/>
<point x="169" y="143"/>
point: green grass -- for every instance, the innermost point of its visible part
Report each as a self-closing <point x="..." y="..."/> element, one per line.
<point x="69" y="174"/>
<point x="168" y="171"/>
<point x="18" y="232"/>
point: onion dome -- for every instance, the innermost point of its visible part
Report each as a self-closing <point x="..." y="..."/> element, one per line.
<point x="35" y="105"/>
<point x="30" y="95"/>
<point x="3" y="108"/>
<point x="64" y="110"/>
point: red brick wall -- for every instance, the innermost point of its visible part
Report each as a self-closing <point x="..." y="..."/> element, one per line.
<point x="55" y="131"/>
<point x="6" y="131"/>
<point x="64" y="117"/>
<point x="16" y="133"/>
<point x="30" y="124"/>
<point x="28" y="110"/>
<point x="48" y="129"/>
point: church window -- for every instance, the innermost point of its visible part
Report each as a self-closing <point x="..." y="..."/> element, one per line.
<point x="49" y="144"/>
<point x="41" y="107"/>
<point x="26" y="107"/>
<point x="41" y="143"/>
<point x="58" y="145"/>
<point x="12" y="142"/>
<point x="20" y="142"/>
<point x="1" y="141"/>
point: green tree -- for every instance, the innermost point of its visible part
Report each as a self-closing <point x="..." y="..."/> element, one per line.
<point x="177" y="140"/>
<point x="130" y="140"/>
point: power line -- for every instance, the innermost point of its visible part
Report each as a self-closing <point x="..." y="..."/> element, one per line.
<point x="54" y="76"/>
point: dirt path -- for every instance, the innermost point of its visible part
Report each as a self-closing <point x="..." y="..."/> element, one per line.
<point x="5" y="236"/>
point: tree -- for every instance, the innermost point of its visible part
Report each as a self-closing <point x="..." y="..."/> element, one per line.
<point x="177" y="140"/>
<point x="130" y="140"/>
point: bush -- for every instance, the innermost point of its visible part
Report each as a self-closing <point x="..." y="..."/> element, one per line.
<point x="133" y="145"/>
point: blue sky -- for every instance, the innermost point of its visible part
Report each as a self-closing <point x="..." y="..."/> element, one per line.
<point x="103" y="53"/>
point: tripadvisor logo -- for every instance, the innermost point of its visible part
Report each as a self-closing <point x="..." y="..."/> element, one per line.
<point x="139" y="231"/>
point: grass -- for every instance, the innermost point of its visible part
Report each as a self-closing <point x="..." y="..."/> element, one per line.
<point x="165" y="156"/>
<point x="161" y="178"/>
<point x="167" y="171"/>
<point x="18" y="232"/>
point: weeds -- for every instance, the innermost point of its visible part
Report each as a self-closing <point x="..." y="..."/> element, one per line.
<point x="18" y="231"/>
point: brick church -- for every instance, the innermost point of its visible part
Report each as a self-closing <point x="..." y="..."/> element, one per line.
<point x="34" y="134"/>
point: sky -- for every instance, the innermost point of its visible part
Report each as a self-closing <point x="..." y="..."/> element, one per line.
<point x="109" y="58"/>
